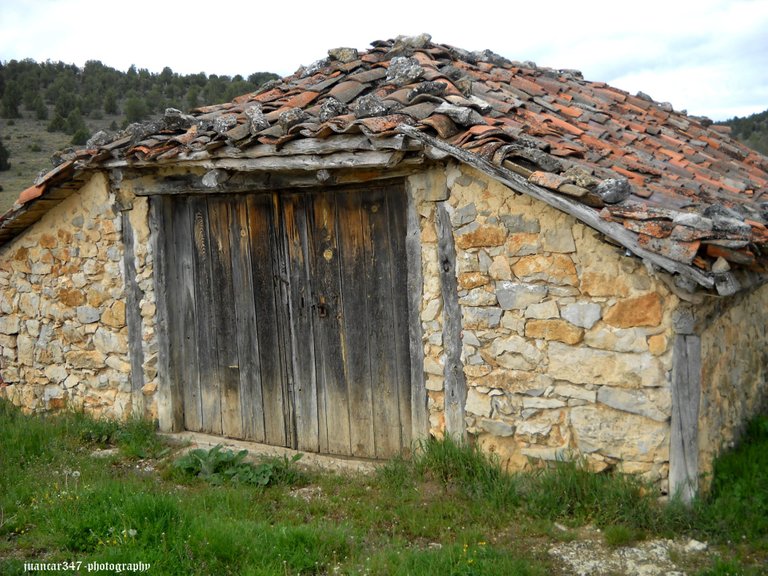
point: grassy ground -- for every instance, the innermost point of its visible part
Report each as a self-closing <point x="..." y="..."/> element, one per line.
<point x="66" y="494"/>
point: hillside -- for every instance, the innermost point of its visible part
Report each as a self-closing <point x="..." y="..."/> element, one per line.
<point x="751" y="130"/>
<point x="48" y="106"/>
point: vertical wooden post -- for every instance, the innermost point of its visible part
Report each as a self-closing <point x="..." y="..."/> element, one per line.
<point x="686" y="397"/>
<point x="169" y="405"/>
<point x="455" y="384"/>
<point x="415" y="287"/>
<point x="133" y="316"/>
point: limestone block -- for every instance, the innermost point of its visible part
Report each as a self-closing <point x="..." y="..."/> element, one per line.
<point x="517" y="223"/>
<point x="7" y="305"/>
<point x="516" y="345"/>
<point x="71" y="297"/>
<point x="542" y="403"/>
<point x="478" y="297"/>
<point x="432" y="366"/>
<point x="25" y="350"/>
<point x="515" y="381"/>
<point x="114" y="315"/>
<point x="470" y="280"/>
<point x="52" y="392"/>
<point x="500" y="269"/>
<point x="481" y="317"/>
<point x="478" y="236"/>
<point x="464" y="215"/>
<point x="514" y="295"/>
<point x="56" y="373"/>
<point x="484" y="261"/>
<point x="431" y="310"/>
<point x="469" y="338"/>
<point x="513" y="361"/>
<point x="513" y="323"/>
<point x="556" y="329"/>
<point x="118" y="364"/>
<point x="10" y="374"/>
<point x="558" y="238"/>
<point x="29" y="304"/>
<point x="11" y="324"/>
<point x="477" y="403"/>
<point x="532" y="428"/>
<point x="33" y="327"/>
<point x="71" y="381"/>
<point x="96" y="297"/>
<point x="594" y="283"/>
<point x="497" y="427"/>
<point x="643" y="310"/>
<point x="109" y="342"/>
<point x="657" y="344"/>
<point x="523" y="244"/>
<point x="620" y="435"/>
<point x="88" y="314"/>
<point x="575" y="392"/>
<point x="555" y="454"/>
<point x="652" y="403"/>
<point x="87" y="359"/>
<point x="552" y="268"/>
<point x="466" y="262"/>
<point x="582" y="365"/>
<point x="583" y="314"/>
<point x="618" y="339"/>
<point x="542" y="310"/>
<point x="435" y="383"/>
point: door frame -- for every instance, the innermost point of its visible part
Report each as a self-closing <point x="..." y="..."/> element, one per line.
<point x="169" y="396"/>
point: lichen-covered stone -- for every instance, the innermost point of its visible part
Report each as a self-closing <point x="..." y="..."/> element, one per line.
<point x="643" y="310"/>
<point x="582" y="314"/>
<point x="514" y="295"/>
<point x="582" y="365"/>
<point x="554" y="329"/>
<point x="552" y="268"/>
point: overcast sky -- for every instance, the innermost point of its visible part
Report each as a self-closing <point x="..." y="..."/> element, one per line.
<point x="709" y="57"/>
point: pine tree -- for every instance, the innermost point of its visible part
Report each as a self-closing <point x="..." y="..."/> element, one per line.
<point x="4" y="155"/>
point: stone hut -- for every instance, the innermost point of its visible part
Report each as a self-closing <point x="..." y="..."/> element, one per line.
<point x="406" y="241"/>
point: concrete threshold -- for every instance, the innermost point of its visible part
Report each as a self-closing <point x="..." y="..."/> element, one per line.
<point x="193" y="440"/>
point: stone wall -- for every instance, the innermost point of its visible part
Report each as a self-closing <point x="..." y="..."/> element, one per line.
<point x="566" y="341"/>
<point x="733" y="372"/>
<point x="63" y="333"/>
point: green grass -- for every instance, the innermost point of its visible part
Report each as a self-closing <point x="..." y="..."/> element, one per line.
<point x="449" y="509"/>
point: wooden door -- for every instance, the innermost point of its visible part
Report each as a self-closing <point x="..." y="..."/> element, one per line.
<point x="287" y="317"/>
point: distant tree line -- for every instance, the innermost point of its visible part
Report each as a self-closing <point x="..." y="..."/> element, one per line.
<point x="751" y="130"/>
<point x="64" y="95"/>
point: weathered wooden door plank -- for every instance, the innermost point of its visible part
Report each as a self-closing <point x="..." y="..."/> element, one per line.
<point x="183" y="318"/>
<point x="300" y="298"/>
<point x="328" y="319"/>
<point x="224" y="324"/>
<point x="381" y="329"/>
<point x="248" y="350"/>
<point x="352" y="259"/>
<point x="396" y="213"/>
<point x="265" y="275"/>
<point x="210" y="384"/>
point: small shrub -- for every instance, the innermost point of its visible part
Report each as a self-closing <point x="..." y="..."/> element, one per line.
<point x="218" y="466"/>
<point x="729" y="568"/>
<point x="569" y="491"/>
<point x="619" y="535"/>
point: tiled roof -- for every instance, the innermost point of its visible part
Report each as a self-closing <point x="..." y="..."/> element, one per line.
<point x="680" y="186"/>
